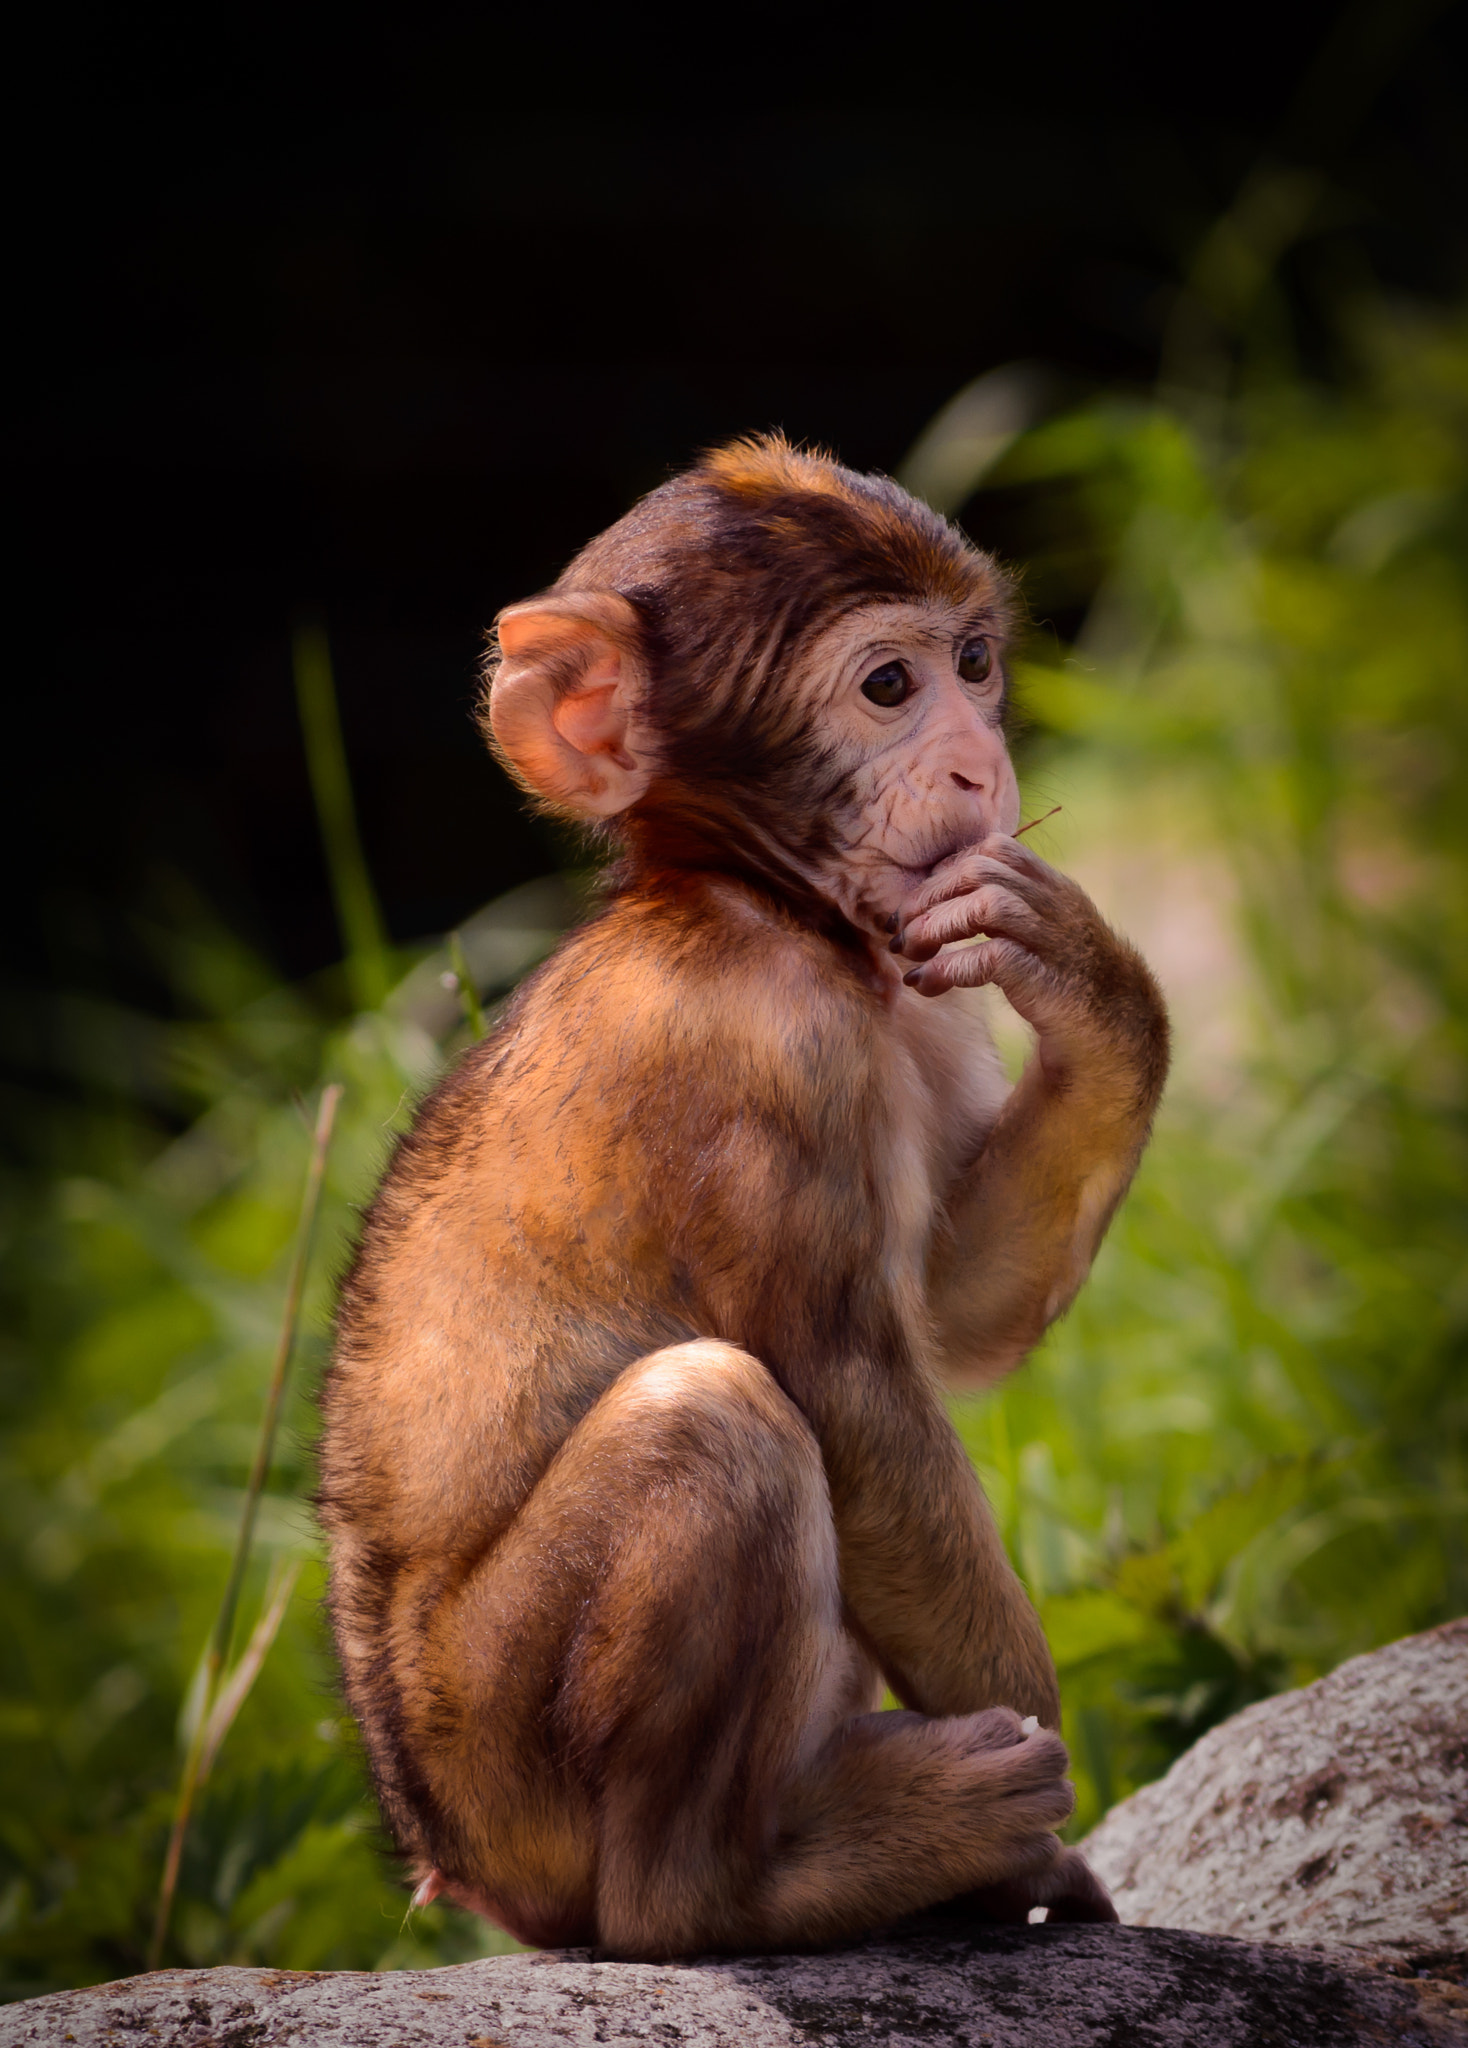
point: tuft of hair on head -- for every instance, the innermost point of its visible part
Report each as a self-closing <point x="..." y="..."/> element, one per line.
<point x="755" y="465"/>
<point x="894" y="542"/>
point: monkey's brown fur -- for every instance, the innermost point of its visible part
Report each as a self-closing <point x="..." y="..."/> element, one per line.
<point x="636" y="1472"/>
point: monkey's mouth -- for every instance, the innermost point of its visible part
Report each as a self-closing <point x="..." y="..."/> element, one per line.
<point x="921" y="870"/>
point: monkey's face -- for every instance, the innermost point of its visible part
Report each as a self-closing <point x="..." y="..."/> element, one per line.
<point x="909" y="698"/>
<point x="771" y="666"/>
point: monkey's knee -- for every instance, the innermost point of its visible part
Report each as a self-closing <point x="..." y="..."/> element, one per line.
<point x="722" y="1580"/>
<point x="707" y="1372"/>
<point x="716" y="1409"/>
<point x="719" y="1487"/>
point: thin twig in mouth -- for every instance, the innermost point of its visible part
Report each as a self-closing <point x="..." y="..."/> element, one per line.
<point x="1021" y="830"/>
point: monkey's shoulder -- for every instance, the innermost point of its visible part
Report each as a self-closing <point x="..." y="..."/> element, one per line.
<point x="669" y="1023"/>
<point x="708" y="983"/>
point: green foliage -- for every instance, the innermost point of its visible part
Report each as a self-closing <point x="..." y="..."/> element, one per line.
<point x="145" y="1270"/>
<point x="1240" y="1458"/>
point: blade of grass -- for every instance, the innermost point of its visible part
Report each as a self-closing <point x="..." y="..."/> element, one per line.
<point x="468" y="993"/>
<point x="358" y="916"/>
<point x="223" y="1630"/>
<point x="235" y="1689"/>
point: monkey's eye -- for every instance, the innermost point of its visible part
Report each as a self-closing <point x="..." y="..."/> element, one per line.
<point x="888" y="686"/>
<point x="976" y="660"/>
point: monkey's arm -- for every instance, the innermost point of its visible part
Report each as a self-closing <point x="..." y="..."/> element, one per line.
<point x="1026" y="1223"/>
<point x="1026" y="1220"/>
<point x="924" y="1573"/>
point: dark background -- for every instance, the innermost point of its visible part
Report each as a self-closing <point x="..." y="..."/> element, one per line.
<point x="384" y="318"/>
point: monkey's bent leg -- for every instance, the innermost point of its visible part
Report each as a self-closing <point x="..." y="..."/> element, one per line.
<point x="647" y="1724"/>
<point x="602" y="1711"/>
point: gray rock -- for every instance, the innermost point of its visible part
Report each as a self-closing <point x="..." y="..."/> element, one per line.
<point x="1329" y="1823"/>
<point x="994" y="1987"/>
<point x="1337" y="1814"/>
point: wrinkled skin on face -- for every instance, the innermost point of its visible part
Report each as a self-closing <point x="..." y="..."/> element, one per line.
<point x="911" y="697"/>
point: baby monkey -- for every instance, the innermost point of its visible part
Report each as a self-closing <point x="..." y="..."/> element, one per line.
<point x="637" y="1476"/>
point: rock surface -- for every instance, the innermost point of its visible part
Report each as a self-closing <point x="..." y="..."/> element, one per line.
<point x="1328" y="1824"/>
<point x="999" y="1987"/>
<point x="1335" y="1814"/>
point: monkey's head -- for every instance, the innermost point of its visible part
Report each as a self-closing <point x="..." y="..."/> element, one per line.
<point x="771" y="666"/>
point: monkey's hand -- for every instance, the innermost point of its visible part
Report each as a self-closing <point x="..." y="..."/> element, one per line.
<point x="1087" y="993"/>
<point x="1027" y="1217"/>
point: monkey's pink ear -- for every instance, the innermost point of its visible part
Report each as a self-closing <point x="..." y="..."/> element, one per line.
<point x="565" y="701"/>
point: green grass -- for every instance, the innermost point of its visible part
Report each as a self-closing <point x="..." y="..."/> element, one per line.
<point x="1239" y="1459"/>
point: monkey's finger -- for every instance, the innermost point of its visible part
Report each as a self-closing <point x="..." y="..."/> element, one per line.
<point x="1005" y="861"/>
<point x="1017" y="855"/>
<point x="995" y="1728"/>
<point x="967" y="872"/>
<point x="1000" y="961"/>
<point x="995" y="911"/>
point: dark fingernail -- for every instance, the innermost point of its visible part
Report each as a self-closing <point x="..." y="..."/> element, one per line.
<point x="911" y="979"/>
<point x="891" y="924"/>
<point x="898" y="943"/>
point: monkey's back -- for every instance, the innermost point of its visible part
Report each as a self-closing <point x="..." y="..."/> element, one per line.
<point x="671" y="1105"/>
